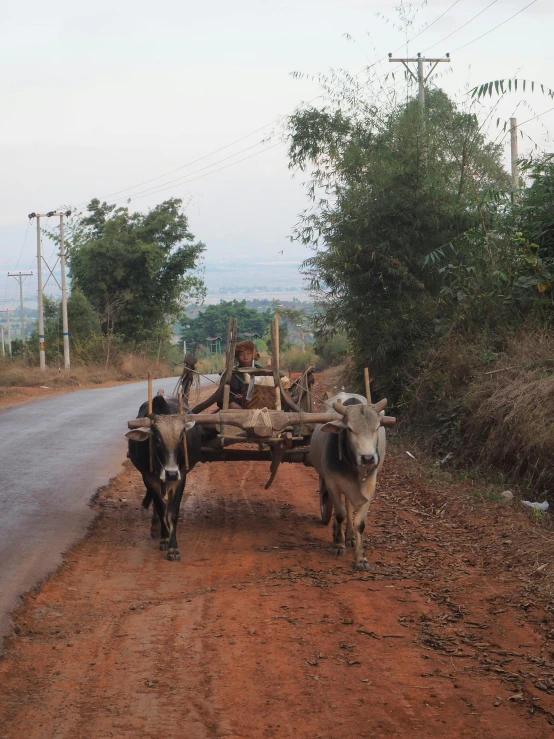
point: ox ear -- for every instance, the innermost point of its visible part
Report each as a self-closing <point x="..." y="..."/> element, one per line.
<point x="141" y="434"/>
<point x="333" y="427"/>
<point x="189" y="425"/>
<point x="387" y="420"/>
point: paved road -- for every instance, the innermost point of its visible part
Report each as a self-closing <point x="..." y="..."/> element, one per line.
<point x="54" y="455"/>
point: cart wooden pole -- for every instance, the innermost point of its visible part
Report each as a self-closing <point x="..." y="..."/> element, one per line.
<point x="276" y="362"/>
<point x="276" y="347"/>
<point x="185" y="446"/>
<point x="150" y="405"/>
<point x="367" y="388"/>
<point x="226" y="396"/>
<point x="149" y="392"/>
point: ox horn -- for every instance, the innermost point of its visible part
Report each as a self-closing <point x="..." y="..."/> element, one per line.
<point x="381" y="405"/>
<point x="138" y="423"/>
<point x="340" y="409"/>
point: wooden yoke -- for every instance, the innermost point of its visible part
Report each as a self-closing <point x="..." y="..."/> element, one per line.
<point x="252" y="421"/>
<point x="218" y="395"/>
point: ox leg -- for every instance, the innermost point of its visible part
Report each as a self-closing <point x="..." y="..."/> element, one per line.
<point x="159" y="512"/>
<point x="350" y="535"/>
<point x="360" y="560"/>
<point x="156" y="523"/>
<point x="339" y="547"/>
<point x="173" y="506"/>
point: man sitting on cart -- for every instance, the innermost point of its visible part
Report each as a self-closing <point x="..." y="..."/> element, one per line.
<point x="246" y="354"/>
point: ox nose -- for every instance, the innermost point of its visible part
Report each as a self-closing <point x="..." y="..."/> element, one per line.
<point x="171" y="475"/>
<point x="369" y="458"/>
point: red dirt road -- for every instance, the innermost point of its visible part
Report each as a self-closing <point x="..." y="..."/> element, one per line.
<point x="260" y="632"/>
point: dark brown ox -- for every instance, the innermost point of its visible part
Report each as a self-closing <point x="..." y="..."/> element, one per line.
<point x="165" y="483"/>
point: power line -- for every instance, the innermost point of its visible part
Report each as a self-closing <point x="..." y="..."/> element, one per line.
<point x="24" y="242"/>
<point x="189" y="174"/>
<point x="194" y="161"/>
<point x="252" y="133"/>
<point x="527" y="121"/>
<point x="431" y="24"/>
<point x="185" y="179"/>
<point x="495" y="27"/>
<point x="462" y="26"/>
<point x="255" y="154"/>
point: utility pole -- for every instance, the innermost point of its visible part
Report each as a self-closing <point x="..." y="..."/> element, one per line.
<point x="65" y="328"/>
<point x="41" y="286"/>
<point x="20" y="277"/>
<point x="7" y="311"/>
<point x="3" y="346"/>
<point x="515" y="166"/>
<point x="421" y="78"/>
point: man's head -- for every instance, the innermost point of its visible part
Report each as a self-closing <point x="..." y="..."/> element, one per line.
<point x="246" y="353"/>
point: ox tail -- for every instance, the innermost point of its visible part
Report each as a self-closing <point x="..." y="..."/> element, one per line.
<point x="147" y="499"/>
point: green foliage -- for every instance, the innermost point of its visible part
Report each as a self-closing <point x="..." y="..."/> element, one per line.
<point x="82" y="317"/>
<point x="501" y="87"/>
<point x="135" y="269"/>
<point x="84" y="335"/>
<point x="212" y="321"/>
<point x="18" y="348"/>
<point x="394" y="192"/>
<point x="534" y="209"/>
<point x="332" y="349"/>
<point x="53" y="341"/>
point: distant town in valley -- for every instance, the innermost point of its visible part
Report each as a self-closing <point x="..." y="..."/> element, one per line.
<point x="226" y="280"/>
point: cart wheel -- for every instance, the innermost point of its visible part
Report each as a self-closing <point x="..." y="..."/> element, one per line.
<point x="325" y="503"/>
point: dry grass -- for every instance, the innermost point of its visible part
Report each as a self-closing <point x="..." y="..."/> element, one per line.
<point x="18" y="374"/>
<point x="493" y="408"/>
<point x="510" y="412"/>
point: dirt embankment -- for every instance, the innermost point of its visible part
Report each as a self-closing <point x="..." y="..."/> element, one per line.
<point x="260" y="632"/>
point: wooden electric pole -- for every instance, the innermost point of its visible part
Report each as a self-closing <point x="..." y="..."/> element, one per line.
<point x="421" y="77"/>
<point x="7" y="311"/>
<point x="41" y="286"/>
<point x="20" y="277"/>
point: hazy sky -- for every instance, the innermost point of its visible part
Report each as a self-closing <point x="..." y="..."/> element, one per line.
<point x="102" y="96"/>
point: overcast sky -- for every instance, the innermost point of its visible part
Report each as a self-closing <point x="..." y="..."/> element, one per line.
<point x="99" y="97"/>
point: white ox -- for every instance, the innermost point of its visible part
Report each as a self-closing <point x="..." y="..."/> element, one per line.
<point x="348" y="454"/>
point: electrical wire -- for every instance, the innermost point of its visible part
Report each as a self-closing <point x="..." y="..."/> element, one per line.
<point x="256" y="153"/>
<point x="275" y="121"/>
<point x="462" y="26"/>
<point x="495" y="27"/>
<point x="524" y="122"/>
<point x="24" y="242"/>
<point x="189" y="164"/>
<point x="189" y="174"/>
<point x="433" y="23"/>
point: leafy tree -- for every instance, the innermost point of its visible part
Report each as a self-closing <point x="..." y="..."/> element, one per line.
<point x="212" y="321"/>
<point x="83" y="320"/>
<point x="386" y="191"/>
<point x="52" y="332"/>
<point x="136" y="270"/>
<point x="534" y="208"/>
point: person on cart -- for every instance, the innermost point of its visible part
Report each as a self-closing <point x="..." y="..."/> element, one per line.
<point x="246" y="354"/>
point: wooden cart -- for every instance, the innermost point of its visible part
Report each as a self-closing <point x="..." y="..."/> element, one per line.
<point x="278" y="434"/>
